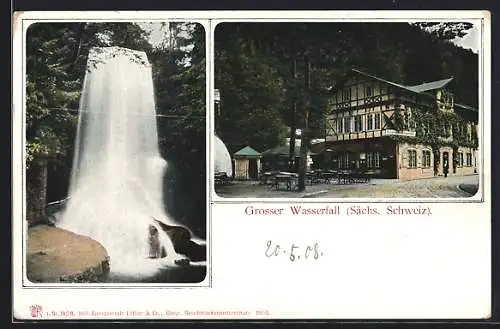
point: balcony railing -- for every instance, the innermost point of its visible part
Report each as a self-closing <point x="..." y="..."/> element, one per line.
<point x="393" y="132"/>
<point x="445" y="139"/>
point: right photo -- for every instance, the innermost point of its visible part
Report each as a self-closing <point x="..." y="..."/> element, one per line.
<point x="347" y="109"/>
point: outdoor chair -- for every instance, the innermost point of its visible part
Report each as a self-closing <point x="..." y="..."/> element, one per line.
<point x="221" y="178"/>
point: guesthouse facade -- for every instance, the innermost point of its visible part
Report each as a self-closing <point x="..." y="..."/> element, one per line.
<point x="398" y="131"/>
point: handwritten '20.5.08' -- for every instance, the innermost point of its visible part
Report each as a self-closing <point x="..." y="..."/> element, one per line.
<point x="293" y="252"/>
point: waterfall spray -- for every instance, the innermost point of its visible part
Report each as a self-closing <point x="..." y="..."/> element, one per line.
<point x="117" y="174"/>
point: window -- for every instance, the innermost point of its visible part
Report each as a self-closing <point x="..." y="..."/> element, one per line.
<point x="409" y="123"/>
<point x="369" y="122"/>
<point x="368" y="91"/>
<point x="344" y="161"/>
<point x="460" y="159"/>
<point x="346" y="95"/>
<point x="426" y="159"/>
<point x="469" y="159"/>
<point x="358" y="123"/>
<point x="373" y="160"/>
<point x="334" y="125"/>
<point x="426" y="128"/>
<point x="376" y="159"/>
<point x="412" y="159"/>
<point x="347" y="124"/>
<point x="446" y="130"/>
<point x="377" y="120"/>
<point x="340" y="127"/>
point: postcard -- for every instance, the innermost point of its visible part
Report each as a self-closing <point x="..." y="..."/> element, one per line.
<point x="251" y="165"/>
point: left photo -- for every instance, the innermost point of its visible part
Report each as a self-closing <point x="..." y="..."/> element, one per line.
<point x="115" y="152"/>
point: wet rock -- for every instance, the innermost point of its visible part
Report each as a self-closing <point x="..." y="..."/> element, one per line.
<point x="195" y="252"/>
<point x="181" y="239"/>
<point x="182" y="261"/>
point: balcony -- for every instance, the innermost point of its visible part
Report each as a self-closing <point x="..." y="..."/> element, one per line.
<point x="393" y="132"/>
<point x="446" y="139"/>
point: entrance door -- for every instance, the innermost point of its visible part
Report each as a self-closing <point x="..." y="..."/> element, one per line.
<point x="252" y="168"/>
<point x="446" y="163"/>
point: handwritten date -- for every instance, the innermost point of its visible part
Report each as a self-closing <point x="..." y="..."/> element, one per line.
<point x="294" y="252"/>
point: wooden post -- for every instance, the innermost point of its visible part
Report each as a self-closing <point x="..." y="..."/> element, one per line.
<point x="304" y="137"/>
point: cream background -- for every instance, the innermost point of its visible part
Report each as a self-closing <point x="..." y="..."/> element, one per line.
<point x="373" y="267"/>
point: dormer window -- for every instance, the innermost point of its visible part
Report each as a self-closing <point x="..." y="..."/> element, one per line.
<point x="445" y="100"/>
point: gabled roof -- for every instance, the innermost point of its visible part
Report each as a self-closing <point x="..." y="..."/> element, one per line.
<point x="416" y="89"/>
<point x="421" y="89"/>
<point x="429" y="85"/>
<point x="248" y="152"/>
<point x="380" y="79"/>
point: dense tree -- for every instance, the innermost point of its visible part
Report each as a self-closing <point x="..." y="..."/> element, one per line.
<point x="50" y="90"/>
<point x="252" y="97"/>
<point x="446" y="30"/>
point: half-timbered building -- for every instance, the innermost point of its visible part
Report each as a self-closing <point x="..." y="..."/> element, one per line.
<point x="398" y="131"/>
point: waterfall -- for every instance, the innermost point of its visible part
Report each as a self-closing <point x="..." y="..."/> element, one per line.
<point x="116" y="182"/>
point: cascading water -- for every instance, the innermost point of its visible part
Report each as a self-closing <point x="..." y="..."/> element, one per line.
<point x="222" y="158"/>
<point x="116" y="184"/>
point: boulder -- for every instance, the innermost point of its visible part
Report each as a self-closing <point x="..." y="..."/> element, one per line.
<point x="181" y="239"/>
<point x="57" y="255"/>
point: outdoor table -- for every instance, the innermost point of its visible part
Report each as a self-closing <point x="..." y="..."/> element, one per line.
<point x="265" y="178"/>
<point x="268" y="177"/>
<point x="344" y="177"/>
<point x="289" y="180"/>
<point x="358" y="177"/>
<point x="329" y="177"/>
<point x="312" y="177"/>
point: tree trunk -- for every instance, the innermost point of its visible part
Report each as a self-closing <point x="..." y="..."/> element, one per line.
<point x="293" y="125"/>
<point x="304" y="137"/>
<point x="36" y="187"/>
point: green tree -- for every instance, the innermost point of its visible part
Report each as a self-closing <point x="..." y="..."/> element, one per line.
<point x="252" y="97"/>
<point x="50" y="91"/>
